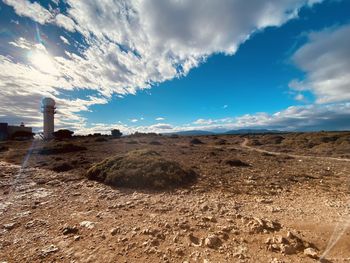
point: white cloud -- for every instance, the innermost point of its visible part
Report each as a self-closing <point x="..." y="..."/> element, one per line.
<point x="160" y="126"/>
<point x="65" y="22"/>
<point x="32" y="10"/>
<point x="129" y="45"/>
<point x="65" y="40"/>
<point x="22" y="43"/>
<point x="160" y="119"/>
<point x="203" y="121"/>
<point x="299" y="97"/>
<point x="325" y="59"/>
<point x="134" y="120"/>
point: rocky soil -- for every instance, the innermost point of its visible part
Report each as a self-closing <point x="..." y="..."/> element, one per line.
<point x="247" y="206"/>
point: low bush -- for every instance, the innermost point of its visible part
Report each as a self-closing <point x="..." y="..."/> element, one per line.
<point x="61" y="148"/>
<point x="141" y="169"/>
<point x="196" y="141"/>
<point x="236" y="163"/>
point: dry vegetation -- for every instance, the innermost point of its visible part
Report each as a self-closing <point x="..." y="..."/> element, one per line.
<point x="141" y="169"/>
<point x="336" y="144"/>
<point x="226" y="202"/>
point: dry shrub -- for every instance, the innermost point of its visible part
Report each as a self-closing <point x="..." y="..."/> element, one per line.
<point x="155" y="143"/>
<point x="101" y="139"/>
<point x="255" y="142"/>
<point x="61" y="148"/>
<point x="196" y="141"/>
<point x="141" y="169"/>
<point x="64" y="167"/>
<point x="221" y="142"/>
<point x="132" y="142"/>
<point x="236" y="163"/>
<point x="3" y="148"/>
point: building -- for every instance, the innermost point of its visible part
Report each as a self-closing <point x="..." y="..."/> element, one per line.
<point x="8" y="131"/>
<point x="49" y="110"/>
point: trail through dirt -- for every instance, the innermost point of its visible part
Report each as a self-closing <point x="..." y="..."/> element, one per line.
<point x="245" y="145"/>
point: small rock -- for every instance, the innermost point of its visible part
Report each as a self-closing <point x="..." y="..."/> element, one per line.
<point x="10" y="226"/>
<point x="48" y="250"/>
<point x="311" y="252"/>
<point x="70" y="230"/>
<point x="114" y="231"/>
<point x="87" y="224"/>
<point x="212" y="241"/>
<point x="194" y="241"/>
<point x="204" y="207"/>
<point x="179" y="251"/>
<point x="76" y="238"/>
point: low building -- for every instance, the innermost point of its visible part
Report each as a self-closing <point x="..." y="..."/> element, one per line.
<point x="8" y="131"/>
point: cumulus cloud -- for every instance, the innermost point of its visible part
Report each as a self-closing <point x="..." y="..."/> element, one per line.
<point x="160" y="119"/>
<point x="325" y="60"/>
<point x="65" y="22"/>
<point x="32" y="10"/>
<point x="128" y="45"/>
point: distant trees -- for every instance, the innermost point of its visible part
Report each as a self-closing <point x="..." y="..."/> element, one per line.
<point x="63" y="134"/>
<point x="116" y="133"/>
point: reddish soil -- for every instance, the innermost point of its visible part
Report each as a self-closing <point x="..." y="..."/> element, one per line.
<point x="274" y="208"/>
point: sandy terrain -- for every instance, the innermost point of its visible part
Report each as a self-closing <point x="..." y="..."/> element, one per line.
<point x="276" y="208"/>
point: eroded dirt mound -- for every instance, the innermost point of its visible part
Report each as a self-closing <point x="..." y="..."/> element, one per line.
<point x="141" y="169"/>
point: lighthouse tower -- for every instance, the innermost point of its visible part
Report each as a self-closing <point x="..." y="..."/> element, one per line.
<point x="48" y="106"/>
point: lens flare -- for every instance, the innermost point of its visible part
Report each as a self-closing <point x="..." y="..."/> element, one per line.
<point x="43" y="62"/>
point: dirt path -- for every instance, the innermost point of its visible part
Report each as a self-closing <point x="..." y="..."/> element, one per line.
<point x="245" y="145"/>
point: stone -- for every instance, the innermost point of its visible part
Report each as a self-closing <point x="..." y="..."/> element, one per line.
<point x="88" y="224"/>
<point x="212" y="241"/>
<point x="114" y="231"/>
<point x="10" y="226"/>
<point x="311" y="252"/>
<point x="194" y="241"/>
<point x="70" y="230"/>
<point x="48" y="250"/>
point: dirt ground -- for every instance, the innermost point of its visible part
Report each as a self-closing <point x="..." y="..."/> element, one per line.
<point x="287" y="203"/>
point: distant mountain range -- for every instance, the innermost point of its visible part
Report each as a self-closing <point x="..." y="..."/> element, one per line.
<point x="252" y="131"/>
<point x="240" y="131"/>
<point x="194" y="133"/>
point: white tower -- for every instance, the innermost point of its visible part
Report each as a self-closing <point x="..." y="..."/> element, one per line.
<point x="48" y="106"/>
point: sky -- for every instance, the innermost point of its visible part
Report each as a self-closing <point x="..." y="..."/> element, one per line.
<point x="173" y="65"/>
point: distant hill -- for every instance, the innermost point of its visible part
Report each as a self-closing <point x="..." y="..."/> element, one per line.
<point x="192" y="133"/>
<point x="240" y="131"/>
<point x="251" y="131"/>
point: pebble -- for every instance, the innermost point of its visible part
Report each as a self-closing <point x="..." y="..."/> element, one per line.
<point x="10" y="226"/>
<point x="48" y="250"/>
<point x="88" y="224"/>
<point x="212" y="241"/>
<point x="114" y="231"/>
<point x="311" y="252"/>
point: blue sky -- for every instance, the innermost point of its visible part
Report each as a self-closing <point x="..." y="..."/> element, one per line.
<point x="264" y="64"/>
